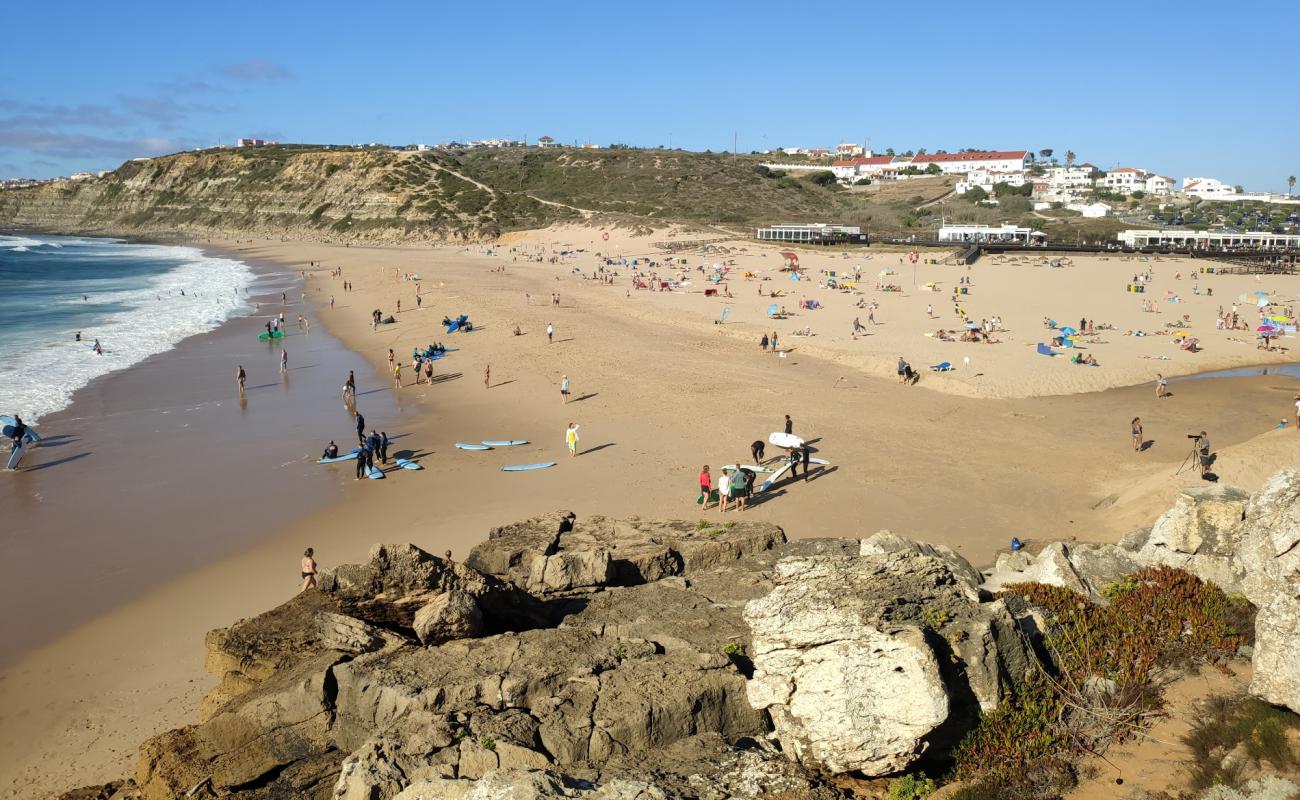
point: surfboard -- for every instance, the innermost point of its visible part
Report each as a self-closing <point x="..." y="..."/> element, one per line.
<point x="344" y="457"/>
<point x="504" y="442"/>
<point x="264" y="336"/>
<point x="785" y="439"/>
<point x="408" y="464"/>
<point x="751" y="468"/>
<point x="525" y="467"/>
<point x="375" y="473"/>
<point x="30" y="438"/>
<point x="776" y="476"/>
<point x="463" y="446"/>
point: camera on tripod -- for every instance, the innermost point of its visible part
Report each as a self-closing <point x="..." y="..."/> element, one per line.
<point x="1193" y="436"/>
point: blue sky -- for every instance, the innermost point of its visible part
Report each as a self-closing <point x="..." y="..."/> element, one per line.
<point x="1188" y="88"/>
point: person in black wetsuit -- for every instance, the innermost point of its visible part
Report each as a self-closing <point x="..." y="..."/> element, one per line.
<point x="756" y="450"/>
<point x="804" y="453"/>
<point x="331" y="450"/>
<point x="789" y="425"/>
<point x="361" y="426"/>
<point x="383" y="447"/>
<point x="793" y="455"/>
<point x="362" y="471"/>
<point x="20" y="430"/>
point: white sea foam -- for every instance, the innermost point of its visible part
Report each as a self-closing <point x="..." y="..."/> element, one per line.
<point x="47" y="366"/>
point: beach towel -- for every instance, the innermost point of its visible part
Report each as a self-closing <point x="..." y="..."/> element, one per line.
<point x="1044" y="350"/>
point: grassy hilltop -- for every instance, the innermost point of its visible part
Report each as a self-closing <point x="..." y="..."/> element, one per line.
<point x="378" y="194"/>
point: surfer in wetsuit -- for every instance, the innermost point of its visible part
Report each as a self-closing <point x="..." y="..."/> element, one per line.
<point x="383" y="446"/>
<point x="350" y="388"/>
<point x="361" y="427"/>
<point x="331" y="450"/>
<point x="78" y="335"/>
<point x="99" y="348"/>
<point x="19" y="431"/>
<point x="241" y="378"/>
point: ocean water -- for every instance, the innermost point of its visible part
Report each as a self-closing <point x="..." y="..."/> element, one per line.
<point x="129" y="296"/>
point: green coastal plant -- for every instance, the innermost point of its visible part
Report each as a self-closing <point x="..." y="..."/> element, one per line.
<point x="1103" y="680"/>
<point x="910" y="787"/>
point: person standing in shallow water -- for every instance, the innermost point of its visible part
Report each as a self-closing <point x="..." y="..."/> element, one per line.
<point x="308" y="570"/>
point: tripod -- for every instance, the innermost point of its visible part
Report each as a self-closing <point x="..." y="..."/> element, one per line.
<point x="1194" y="457"/>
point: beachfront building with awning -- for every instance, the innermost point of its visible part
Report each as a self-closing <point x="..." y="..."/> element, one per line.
<point x="975" y="234"/>
<point x="814" y="233"/>
<point x="1211" y="240"/>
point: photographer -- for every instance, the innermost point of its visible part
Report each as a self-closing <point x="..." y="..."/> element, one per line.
<point x="1202" y="450"/>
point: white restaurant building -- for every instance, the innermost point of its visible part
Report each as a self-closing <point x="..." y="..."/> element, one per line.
<point x="961" y="163"/>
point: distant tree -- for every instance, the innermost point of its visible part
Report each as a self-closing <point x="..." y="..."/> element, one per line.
<point x="1238" y="189"/>
<point x="933" y="169"/>
<point x="823" y="177"/>
<point x="1290" y="184"/>
<point x="889" y="151"/>
<point x="762" y="171"/>
<point x="941" y="152"/>
<point x="908" y="153"/>
<point x="1045" y="153"/>
<point x="976" y="194"/>
<point x="1138" y="194"/>
<point x="1069" y="158"/>
<point x="920" y="151"/>
<point x="1037" y="170"/>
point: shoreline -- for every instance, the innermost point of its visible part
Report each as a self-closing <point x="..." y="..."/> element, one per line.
<point x="658" y="400"/>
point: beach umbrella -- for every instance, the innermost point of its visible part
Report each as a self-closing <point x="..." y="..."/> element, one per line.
<point x="1180" y="334"/>
<point x="1261" y="294"/>
<point x="1068" y="331"/>
<point x="973" y="325"/>
<point x="1263" y="301"/>
<point x="1280" y="319"/>
<point x="1266" y="329"/>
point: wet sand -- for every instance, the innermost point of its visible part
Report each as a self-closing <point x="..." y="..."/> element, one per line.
<point x="658" y="392"/>
<point x="157" y="470"/>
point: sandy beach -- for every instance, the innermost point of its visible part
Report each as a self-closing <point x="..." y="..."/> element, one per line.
<point x="658" y="389"/>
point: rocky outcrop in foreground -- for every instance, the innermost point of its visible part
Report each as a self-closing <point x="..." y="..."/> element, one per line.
<point x="606" y="658"/>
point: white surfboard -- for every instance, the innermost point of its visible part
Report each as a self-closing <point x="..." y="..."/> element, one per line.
<point x="785" y="439"/>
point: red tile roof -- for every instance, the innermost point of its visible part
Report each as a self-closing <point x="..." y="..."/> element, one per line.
<point x="991" y="155"/>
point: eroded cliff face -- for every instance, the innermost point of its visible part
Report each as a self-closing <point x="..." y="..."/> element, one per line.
<point x="296" y="193"/>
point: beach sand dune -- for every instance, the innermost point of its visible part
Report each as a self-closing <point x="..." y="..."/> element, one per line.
<point x="1015" y="445"/>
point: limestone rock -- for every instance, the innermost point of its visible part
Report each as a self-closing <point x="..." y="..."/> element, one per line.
<point x="528" y="784"/>
<point x="569" y="571"/>
<point x="640" y="551"/>
<point x="449" y="615"/>
<point x="833" y="625"/>
<point x="885" y="542"/>
<point x="1199" y="534"/>
<point x="1268" y="554"/>
<point x="1052" y="566"/>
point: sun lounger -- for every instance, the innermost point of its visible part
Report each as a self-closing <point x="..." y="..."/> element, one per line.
<point x="946" y="366"/>
<point x="1044" y="350"/>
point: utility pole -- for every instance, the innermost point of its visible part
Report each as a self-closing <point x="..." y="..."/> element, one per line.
<point x="734" y="137"/>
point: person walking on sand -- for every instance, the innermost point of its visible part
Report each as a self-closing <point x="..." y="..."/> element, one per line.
<point x="724" y="491"/>
<point x="284" y="362"/>
<point x="241" y="378"/>
<point x="789" y="425"/>
<point x="571" y="439"/>
<point x="331" y="302"/>
<point x="391" y="358"/>
<point x="550" y="333"/>
<point x="350" y="387"/>
<point x="706" y="487"/>
<point x="564" y="389"/>
<point x="397" y="375"/>
<point x="805" y="454"/>
<point x="361" y="426"/>
<point x="1136" y="430"/>
<point x="1162" y="386"/>
<point x="308" y="570"/>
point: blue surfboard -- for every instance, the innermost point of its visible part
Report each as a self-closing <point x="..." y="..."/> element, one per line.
<point x="464" y="446"/>
<point x="504" y="442"/>
<point x="344" y="457"/>
<point x="375" y="473"/>
<point x="526" y="467"/>
<point x="405" y="463"/>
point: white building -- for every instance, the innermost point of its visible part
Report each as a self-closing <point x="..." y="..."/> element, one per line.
<point x="816" y="233"/>
<point x="250" y="143"/>
<point x="986" y="179"/>
<point x="1090" y="210"/>
<point x="1161" y="185"/>
<point x="972" y="234"/>
<point x="1209" y="239"/>
<point x="80" y="176"/>
<point x="873" y="167"/>
<point x="1066" y="179"/>
<point x="959" y="163"/>
<point x="849" y="150"/>
<point x="1126" y="180"/>
<point x="547" y="141"/>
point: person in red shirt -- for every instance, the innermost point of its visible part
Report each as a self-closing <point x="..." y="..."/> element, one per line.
<point x="706" y="485"/>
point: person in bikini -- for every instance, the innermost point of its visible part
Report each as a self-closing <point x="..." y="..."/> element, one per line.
<point x="308" y="570"/>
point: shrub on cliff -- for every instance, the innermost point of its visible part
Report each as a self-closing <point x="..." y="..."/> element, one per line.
<point x="1103" y="681"/>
